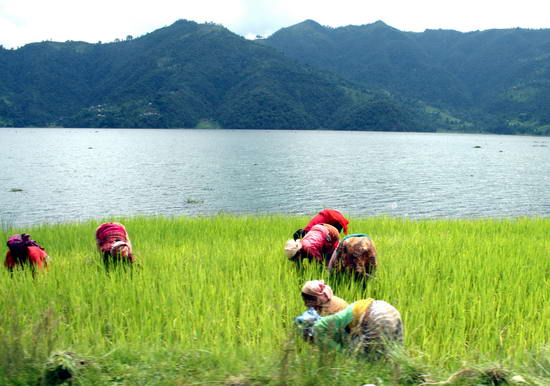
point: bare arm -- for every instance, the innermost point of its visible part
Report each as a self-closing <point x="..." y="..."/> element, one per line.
<point x="333" y="258"/>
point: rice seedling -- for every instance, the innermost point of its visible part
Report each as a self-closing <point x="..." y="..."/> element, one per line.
<point x="213" y="299"/>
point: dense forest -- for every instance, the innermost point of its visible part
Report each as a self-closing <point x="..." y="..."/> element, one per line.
<point x="494" y="80"/>
<point x="306" y="76"/>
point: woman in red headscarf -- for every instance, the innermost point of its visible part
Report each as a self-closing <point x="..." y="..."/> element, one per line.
<point x="326" y="216"/>
<point x="113" y="243"/>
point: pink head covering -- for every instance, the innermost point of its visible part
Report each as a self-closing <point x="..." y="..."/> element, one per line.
<point x="319" y="289"/>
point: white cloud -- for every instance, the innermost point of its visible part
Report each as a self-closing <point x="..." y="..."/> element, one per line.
<point x="25" y="21"/>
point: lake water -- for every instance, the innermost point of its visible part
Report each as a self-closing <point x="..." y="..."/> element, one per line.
<point x="58" y="175"/>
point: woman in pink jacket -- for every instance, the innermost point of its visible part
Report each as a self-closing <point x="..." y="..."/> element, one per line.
<point x="319" y="244"/>
<point x="113" y="243"/>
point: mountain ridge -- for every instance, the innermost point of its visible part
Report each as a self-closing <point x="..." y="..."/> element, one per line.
<point x="181" y="76"/>
<point x="370" y="77"/>
<point x="475" y="76"/>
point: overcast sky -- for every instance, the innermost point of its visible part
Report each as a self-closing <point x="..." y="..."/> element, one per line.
<point x="26" y="21"/>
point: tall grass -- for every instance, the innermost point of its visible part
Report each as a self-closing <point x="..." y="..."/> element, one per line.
<point x="214" y="298"/>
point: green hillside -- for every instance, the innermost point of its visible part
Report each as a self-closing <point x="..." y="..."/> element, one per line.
<point x="494" y="80"/>
<point x="307" y="76"/>
<point x="187" y="75"/>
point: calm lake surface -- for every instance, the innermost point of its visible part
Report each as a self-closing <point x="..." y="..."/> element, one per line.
<point x="58" y="175"/>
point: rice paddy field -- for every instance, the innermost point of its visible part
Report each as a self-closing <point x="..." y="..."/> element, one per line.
<point x="212" y="300"/>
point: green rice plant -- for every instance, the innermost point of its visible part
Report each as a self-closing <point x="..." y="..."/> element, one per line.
<point x="213" y="299"/>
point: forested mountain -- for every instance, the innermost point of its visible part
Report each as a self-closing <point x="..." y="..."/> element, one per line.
<point x="185" y="75"/>
<point x="307" y="76"/>
<point x="494" y="80"/>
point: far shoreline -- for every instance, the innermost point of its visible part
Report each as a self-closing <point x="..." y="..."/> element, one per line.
<point x="458" y="132"/>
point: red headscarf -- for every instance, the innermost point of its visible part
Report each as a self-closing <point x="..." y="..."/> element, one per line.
<point x="329" y="216"/>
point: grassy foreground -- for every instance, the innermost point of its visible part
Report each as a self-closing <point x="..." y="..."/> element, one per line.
<point x="213" y="301"/>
